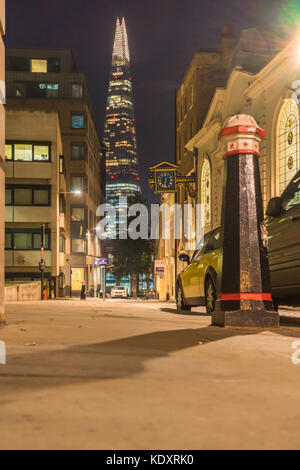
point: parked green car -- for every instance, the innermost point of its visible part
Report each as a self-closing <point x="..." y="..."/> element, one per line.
<point x="196" y="284"/>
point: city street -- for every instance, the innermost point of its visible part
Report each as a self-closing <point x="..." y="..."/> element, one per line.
<point x="125" y="374"/>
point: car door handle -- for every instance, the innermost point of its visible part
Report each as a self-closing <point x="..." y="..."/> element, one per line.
<point x="295" y="218"/>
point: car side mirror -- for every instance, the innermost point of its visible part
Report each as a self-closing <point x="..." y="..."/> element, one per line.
<point x="275" y="207"/>
<point x="185" y="258"/>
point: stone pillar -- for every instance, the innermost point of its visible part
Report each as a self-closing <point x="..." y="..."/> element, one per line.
<point x="244" y="288"/>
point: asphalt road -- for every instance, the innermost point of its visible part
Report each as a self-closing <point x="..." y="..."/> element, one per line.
<point x="124" y="374"/>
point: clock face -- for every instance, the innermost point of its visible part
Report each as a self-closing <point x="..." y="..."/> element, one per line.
<point x="165" y="180"/>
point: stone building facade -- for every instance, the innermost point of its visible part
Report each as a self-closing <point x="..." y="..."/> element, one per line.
<point x="32" y="196"/>
<point x="2" y="157"/>
<point x="48" y="80"/>
<point x="271" y="96"/>
<point x="214" y="87"/>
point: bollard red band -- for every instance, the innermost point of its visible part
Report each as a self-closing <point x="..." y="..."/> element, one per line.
<point x="241" y="152"/>
<point x="242" y="130"/>
<point x="246" y="296"/>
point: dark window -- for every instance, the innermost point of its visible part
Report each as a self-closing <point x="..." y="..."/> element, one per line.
<point x="62" y="244"/>
<point x="78" y="151"/>
<point x="213" y="242"/>
<point x="8" y="197"/>
<point x="8" y="241"/>
<point x="61" y="280"/>
<point x="77" y="214"/>
<point x="23" y="197"/>
<point x="78" y="245"/>
<point x="18" y="64"/>
<point x="53" y="65"/>
<point x="40" y="197"/>
<point x="42" y="90"/>
<point x="77" y="90"/>
<point x="79" y="183"/>
<point x="23" y="239"/>
<point x="62" y="204"/>
<point x="28" y="196"/>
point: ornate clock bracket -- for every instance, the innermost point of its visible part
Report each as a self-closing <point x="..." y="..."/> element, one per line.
<point x="165" y="178"/>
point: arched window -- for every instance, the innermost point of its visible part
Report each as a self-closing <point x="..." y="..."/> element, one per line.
<point x="206" y="191"/>
<point x="287" y="143"/>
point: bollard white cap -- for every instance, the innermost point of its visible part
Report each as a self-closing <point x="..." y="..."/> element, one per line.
<point x="242" y="135"/>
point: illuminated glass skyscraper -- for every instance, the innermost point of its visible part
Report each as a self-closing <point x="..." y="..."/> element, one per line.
<point x="120" y="131"/>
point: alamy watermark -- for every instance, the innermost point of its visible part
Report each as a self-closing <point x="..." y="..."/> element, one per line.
<point x="2" y="353"/>
<point x="296" y="354"/>
<point x="123" y="221"/>
<point x="296" y="93"/>
<point x="2" y="92"/>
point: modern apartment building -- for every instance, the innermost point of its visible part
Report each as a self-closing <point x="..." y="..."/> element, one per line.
<point x="2" y="143"/>
<point x="47" y="81"/>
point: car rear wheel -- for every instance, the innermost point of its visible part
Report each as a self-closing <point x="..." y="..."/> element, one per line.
<point x="181" y="305"/>
<point x="210" y="296"/>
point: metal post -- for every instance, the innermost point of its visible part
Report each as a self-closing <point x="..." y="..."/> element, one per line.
<point x="42" y="263"/>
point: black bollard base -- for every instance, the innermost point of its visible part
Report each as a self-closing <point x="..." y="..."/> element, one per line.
<point x="245" y="318"/>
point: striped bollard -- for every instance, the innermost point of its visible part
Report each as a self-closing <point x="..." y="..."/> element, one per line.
<point x="244" y="288"/>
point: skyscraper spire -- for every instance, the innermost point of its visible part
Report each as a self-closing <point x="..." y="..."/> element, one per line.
<point x="121" y="49"/>
<point x="120" y="132"/>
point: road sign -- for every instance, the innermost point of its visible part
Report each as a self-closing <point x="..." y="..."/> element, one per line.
<point x="159" y="267"/>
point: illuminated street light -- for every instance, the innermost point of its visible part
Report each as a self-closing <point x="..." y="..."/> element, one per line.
<point x="78" y="192"/>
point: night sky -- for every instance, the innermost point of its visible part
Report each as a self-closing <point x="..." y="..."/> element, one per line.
<point x="163" y="35"/>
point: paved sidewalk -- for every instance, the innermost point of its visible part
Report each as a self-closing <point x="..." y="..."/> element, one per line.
<point x="138" y="375"/>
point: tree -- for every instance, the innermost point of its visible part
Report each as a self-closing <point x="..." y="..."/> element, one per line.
<point x="132" y="257"/>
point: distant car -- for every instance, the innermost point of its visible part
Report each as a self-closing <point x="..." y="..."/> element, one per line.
<point x="196" y="284"/>
<point x="119" y="292"/>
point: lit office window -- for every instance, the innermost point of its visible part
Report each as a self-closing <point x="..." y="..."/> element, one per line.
<point x="39" y="66"/>
<point x="62" y="164"/>
<point x="77" y="90"/>
<point x="8" y="152"/>
<point x="50" y="90"/>
<point x="23" y="152"/>
<point x="78" y="121"/>
<point x="41" y="153"/>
